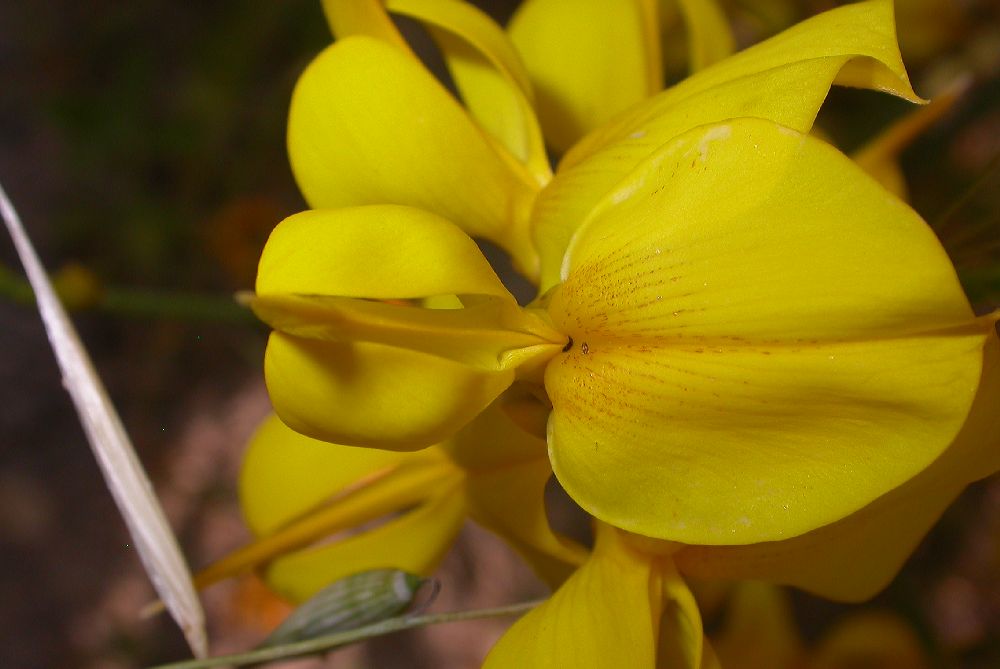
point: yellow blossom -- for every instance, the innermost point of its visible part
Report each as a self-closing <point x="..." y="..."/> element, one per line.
<point x="747" y="359"/>
<point x="323" y="511"/>
<point x="855" y="557"/>
<point x="619" y="605"/>
<point x="368" y="102"/>
<point x="496" y="100"/>
<point x="590" y="60"/>
<point x="627" y="606"/>
<point x="742" y="337"/>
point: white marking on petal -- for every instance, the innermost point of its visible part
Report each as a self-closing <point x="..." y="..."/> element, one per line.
<point x="715" y="134"/>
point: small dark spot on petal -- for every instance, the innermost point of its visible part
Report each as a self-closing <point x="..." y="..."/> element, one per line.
<point x="585" y="348"/>
<point x="568" y="345"/>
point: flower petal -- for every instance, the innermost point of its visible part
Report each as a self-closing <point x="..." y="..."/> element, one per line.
<point x="681" y="639"/>
<point x="784" y="79"/>
<point x="764" y="341"/>
<point x="296" y="491"/>
<point x="367" y="394"/>
<point x="286" y="474"/>
<point x="475" y="27"/>
<point x="588" y="60"/>
<point x="856" y="557"/>
<point x="494" y="441"/>
<point x="507" y="472"/>
<point x="314" y="258"/>
<point x="488" y="73"/>
<point x="371" y="377"/>
<point x="414" y="542"/>
<point x="490" y="335"/>
<point x="368" y="124"/>
<point x="362" y="17"/>
<point x="483" y="64"/>
<point x="709" y="37"/>
<point x="855" y="44"/>
<point x="600" y="617"/>
<point x="375" y="252"/>
<point x="511" y="503"/>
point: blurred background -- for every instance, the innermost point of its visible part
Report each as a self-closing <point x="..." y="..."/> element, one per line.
<point x="143" y="144"/>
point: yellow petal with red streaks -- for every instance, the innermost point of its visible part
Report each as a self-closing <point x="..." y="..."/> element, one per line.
<point x="856" y="557"/>
<point x="764" y="341"/>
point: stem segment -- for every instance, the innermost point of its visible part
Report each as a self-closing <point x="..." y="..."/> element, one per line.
<point x="339" y="639"/>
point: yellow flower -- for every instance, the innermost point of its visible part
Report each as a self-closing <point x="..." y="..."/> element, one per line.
<point x="627" y="606"/>
<point x="368" y="102"/>
<point x="855" y="557"/>
<point x="497" y="89"/>
<point x="590" y="60"/>
<point x="322" y="511"/>
<point x="742" y="337"/>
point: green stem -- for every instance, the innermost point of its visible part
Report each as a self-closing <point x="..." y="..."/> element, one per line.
<point x="338" y="639"/>
<point x="144" y="304"/>
<point x="176" y="306"/>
